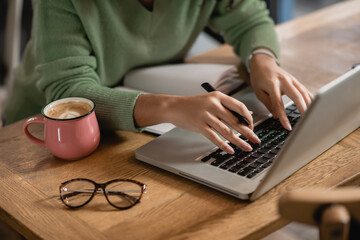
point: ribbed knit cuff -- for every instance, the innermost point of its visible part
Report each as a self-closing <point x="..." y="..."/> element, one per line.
<point x="114" y="108"/>
<point x="252" y="41"/>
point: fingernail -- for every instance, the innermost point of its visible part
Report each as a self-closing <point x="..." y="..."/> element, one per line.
<point x="251" y="112"/>
<point x="255" y="138"/>
<point x="229" y="149"/>
<point x="288" y="125"/>
<point x="247" y="147"/>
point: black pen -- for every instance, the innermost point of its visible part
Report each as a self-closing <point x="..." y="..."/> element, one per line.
<point x="210" y="88"/>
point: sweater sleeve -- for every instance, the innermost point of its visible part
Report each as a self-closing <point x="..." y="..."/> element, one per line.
<point x="246" y="25"/>
<point x="67" y="66"/>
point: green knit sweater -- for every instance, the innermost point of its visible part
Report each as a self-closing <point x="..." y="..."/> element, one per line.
<point x="85" y="47"/>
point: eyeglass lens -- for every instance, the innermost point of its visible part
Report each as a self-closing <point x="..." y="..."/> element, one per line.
<point x="77" y="193"/>
<point x="120" y="194"/>
<point x="123" y="194"/>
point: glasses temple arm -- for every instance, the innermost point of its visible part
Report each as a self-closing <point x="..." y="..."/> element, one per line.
<point x="128" y="197"/>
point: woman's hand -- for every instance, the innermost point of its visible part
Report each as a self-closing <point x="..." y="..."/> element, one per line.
<point x="270" y="82"/>
<point x="204" y="114"/>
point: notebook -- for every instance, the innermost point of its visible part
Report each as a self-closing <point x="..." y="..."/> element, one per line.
<point x="333" y="114"/>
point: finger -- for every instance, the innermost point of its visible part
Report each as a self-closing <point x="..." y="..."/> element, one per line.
<point x="227" y="133"/>
<point x="304" y="92"/>
<point x="294" y="94"/>
<point x="279" y="109"/>
<point x="265" y="99"/>
<point x="247" y="133"/>
<point x="233" y="122"/>
<point x="311" y="95"/>
<point x="239" y="107"/>
<point x="214" y="138"/>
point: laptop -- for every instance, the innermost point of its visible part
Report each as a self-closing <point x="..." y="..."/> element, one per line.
<point x="333" y="114"/>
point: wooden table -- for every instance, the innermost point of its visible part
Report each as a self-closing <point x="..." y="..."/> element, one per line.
<point x="316" y="49"/>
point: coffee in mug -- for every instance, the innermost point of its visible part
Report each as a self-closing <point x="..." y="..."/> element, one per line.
<point x="71" y="128"/>
<point x="68" y="110"/>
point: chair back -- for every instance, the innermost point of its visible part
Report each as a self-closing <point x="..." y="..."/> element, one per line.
<point x="336" y="212"/>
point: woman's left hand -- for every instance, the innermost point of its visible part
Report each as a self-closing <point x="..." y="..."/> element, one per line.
<point x="270" y="82"/>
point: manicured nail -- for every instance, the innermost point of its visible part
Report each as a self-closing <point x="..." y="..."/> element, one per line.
<point x="229" y="149"/>
<point x="288" y="125"/>
<point x="255" y="138"/>
<point x="247" y="147"/>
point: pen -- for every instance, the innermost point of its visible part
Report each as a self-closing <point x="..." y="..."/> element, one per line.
<point x="210" y="88"/>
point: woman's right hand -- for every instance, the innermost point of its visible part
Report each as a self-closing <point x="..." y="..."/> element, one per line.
<point x="204" y="114"/>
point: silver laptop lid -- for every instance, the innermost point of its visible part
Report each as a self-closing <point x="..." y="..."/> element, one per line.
<point x="334" y="113"/>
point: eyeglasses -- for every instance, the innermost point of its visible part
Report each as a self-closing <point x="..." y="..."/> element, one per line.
<point x="120" y="193"/>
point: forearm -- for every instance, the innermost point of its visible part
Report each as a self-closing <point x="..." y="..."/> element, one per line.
<point x="246" y="26"/>
<point x="151" y="109"/>
<point x="260" y="37"/>
<point x="114" y="108"/>
<point x="66" y="65"/>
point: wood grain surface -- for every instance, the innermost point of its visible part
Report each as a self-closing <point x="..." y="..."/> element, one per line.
<point x="316" y="49"/>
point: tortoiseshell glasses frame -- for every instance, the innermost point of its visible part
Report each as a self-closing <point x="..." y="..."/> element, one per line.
<point x="120" y="193"/>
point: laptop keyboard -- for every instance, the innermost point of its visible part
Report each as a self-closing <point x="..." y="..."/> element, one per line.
<point x="249" y="164"/>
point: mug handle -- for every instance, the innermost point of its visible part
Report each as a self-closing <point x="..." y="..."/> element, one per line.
<point x="28" y="134"/>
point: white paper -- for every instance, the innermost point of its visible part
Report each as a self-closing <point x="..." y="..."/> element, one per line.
<point x="183" y="79"/>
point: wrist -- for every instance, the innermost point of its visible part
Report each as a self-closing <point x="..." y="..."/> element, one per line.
<point x="261" y="54"/>
<point x="151" y="109"/>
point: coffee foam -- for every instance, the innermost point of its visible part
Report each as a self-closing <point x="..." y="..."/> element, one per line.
<point x="68" y="110"/>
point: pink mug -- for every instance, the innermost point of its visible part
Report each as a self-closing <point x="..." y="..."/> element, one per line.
<point x="71" y="130"/>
